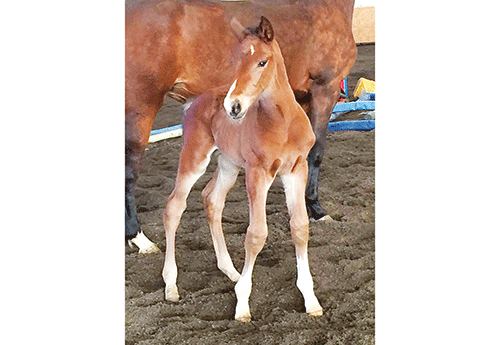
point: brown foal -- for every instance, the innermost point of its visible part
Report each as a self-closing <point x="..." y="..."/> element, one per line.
<point x="258" y="125"/>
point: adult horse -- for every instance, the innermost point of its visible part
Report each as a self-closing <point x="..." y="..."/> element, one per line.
<point x="182" y="48"/>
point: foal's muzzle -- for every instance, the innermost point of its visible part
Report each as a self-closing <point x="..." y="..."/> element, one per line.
<point x="235" y="110"/>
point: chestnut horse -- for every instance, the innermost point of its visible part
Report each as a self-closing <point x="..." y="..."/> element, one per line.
<point x="257" y="125"/>
<point x="182" y="48"/>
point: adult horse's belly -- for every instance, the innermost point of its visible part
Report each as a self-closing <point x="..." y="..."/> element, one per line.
<point x="206" y="43"/>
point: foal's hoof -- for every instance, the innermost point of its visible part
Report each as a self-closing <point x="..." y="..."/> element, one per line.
<point x="172" y="294"/>
<point x="234" y="276"/>
<point x="230" y="272"/>
<point x="244" y="318"/>
<point x="316" y="313"/>
<point x="324" y="219"/>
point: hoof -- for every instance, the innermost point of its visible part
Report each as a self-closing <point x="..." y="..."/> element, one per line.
<point x="244" y="318"/>
<point x="231" y="273"/>
<point x="172" y="294"/>
<point x="316" y="313"/>
<point x="234" y="277"/>
<point x="153" y="248"/>
<point x="145" y="245"/>
<point x="324" y="219"/>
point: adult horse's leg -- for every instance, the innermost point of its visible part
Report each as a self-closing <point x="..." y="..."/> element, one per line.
<point x="295" y="184"/>
<point x="258" y="182"/>
<point x="324" y="97"/>
<point x="214" y="196"/>
<point x="137" y="127"/>
<point x="132" y="157"/>
<point x="193" y="162"/>
<point x="133" y="231"/>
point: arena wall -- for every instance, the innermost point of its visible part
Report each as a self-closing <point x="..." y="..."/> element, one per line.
<point x="363" y="24"/>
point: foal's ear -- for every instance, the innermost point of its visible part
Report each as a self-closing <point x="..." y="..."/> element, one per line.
<point x="265" y="30"/>
<point x="239" y="30"/>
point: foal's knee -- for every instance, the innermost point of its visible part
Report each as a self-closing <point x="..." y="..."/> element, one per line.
<point x="175" y="206"/>
<point x="300" y="231"/>
<point x="255" y="239"/>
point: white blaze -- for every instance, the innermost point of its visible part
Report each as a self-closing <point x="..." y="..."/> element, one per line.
<point x="252" y="50"/>
<point x="227" y="99"/>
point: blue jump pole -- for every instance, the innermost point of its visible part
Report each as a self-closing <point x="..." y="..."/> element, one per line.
<point x="361" y="125"/>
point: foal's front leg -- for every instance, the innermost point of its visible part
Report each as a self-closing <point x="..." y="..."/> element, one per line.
<point x="214" y="196"/>
<point x="295" y="184"/>
<point x="192" y="164"/>
<point x="258" y="181"/>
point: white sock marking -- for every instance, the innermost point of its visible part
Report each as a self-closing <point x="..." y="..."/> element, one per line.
<point x="243" y="288"/>
<point x="305" y="284"/>
<point x="144" y="244"/>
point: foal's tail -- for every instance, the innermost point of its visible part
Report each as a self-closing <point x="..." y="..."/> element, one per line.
<point x="201" y="108"/>
<point x="186" y="105"/>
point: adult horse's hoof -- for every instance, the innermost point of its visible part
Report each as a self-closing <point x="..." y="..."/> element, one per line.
<point x="324" y="219"/>
<point x="153" y="248"/>
<point x="316" y="212"/>
<point x="145" y="246"/>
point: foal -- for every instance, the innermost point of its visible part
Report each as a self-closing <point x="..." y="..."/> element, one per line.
<point x="259" y="126"/>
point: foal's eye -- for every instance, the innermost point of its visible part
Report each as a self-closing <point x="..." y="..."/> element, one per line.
<point x="262" y="63"/>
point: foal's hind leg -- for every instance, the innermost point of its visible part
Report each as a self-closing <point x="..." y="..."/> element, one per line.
<point x="214" y="196"/>
<point x="258" y="182"/>
<point x="192" y="164"/>
<point x="295" y="184"/>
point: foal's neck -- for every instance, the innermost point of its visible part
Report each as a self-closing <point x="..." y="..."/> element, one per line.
<point x="279" y="89"/>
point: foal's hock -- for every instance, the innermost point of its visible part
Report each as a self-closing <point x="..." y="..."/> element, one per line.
<point x="256" y="124"/>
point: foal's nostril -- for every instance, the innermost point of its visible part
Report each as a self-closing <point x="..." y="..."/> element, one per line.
<point x="235" y="108"/>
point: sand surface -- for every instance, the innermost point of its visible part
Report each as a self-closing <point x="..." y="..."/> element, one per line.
<point x="341" y="254"/>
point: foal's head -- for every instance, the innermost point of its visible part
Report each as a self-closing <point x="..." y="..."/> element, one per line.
<point x="255" y="66"/>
